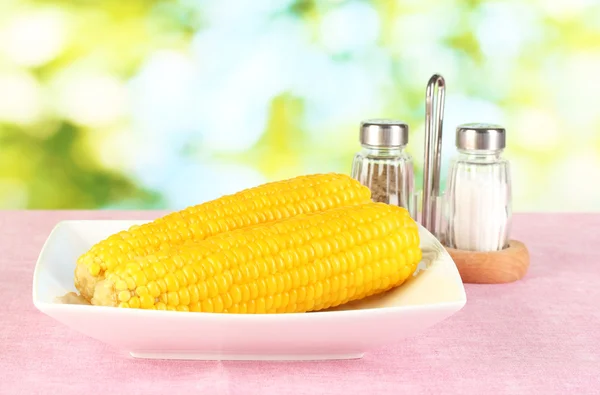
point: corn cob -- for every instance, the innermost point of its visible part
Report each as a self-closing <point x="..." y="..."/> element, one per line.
<point x="262" y="204"/>
<point x="304" y="263"/>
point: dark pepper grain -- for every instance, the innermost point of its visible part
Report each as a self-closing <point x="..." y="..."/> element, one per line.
<point x="387" y="184"/>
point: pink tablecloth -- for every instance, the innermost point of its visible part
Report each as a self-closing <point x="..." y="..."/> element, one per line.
<point x="540" y="335"/>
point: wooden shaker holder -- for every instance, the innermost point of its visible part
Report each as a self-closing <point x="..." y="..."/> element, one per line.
<point x="497" y="267"/>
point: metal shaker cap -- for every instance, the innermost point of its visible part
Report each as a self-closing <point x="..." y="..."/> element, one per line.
<point x="383" y="133"/>
<point x="480" y="136"/>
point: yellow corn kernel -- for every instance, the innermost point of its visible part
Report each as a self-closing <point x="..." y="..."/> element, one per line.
<point x="134" y="302"/>
<point x="162" y="284"/>
<point x="130" y="283"/>
<point x="194" y="294"/>
<point x="121" y="285"/>
<point x="173" y="299"/>
<point x="124" y="296"/>
<point x="172" y="282"/>
<point x="235" y="294"/>
<point x="154" y="289"/>
<point x="202" y="290"/>
<point x="207" y="306"/>
<point x="227" y="300"/>
<point x="184" y="297"/>
<point x="95" y="269"/>
<point x="250" y="207"/>
<point x="218" y="304"/>
<point x="139" y="278"/>
<point x="146" y="301"/>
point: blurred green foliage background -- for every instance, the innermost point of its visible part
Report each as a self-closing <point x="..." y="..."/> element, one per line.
<point x="164" y="104"/>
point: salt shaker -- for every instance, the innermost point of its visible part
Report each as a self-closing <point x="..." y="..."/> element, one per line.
<point x="478" y="195"/>
<point x="383" y="165"/>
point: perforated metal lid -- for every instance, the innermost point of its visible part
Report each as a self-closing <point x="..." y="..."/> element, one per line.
<point x="480" y="137"/>
<point x="383" y="133"/>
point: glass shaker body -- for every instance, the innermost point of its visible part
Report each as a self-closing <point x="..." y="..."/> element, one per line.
<point x="388" y="172"/>
<point x="478" y="201"/>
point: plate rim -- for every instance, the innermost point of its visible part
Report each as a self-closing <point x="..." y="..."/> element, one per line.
<point x="46" y="307"/>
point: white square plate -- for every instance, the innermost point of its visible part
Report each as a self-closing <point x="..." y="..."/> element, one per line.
<point x="434" y="293"/>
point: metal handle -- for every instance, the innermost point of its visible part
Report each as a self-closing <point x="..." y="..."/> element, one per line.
<point x="433" y="149"/>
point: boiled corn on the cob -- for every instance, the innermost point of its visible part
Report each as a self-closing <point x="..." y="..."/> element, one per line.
<point x="262" y="204"/>
<point x="304" y="263"/>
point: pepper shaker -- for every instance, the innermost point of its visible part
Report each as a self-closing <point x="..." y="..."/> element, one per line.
<point x="383" y="165"/>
